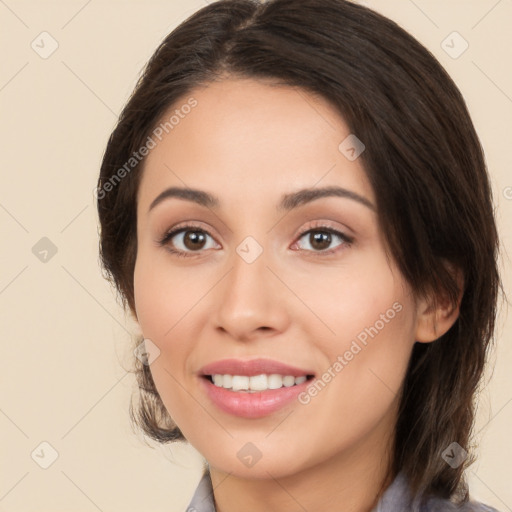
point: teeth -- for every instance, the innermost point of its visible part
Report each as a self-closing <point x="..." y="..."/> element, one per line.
<point x="289" y="380"/>
<point x="240" y="382"/>
<point x="257" y="382"/>
<point x="226" y="381"/>
<point x="218" y="380"/>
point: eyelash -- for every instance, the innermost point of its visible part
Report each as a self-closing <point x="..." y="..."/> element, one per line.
<point x="168" y="235"/>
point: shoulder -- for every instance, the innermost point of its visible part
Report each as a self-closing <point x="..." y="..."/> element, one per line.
<point x="397" y="498"/>
<point x="441" y="505"/>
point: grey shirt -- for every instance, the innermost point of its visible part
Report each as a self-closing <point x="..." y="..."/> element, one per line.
<point x="396" y="498"/>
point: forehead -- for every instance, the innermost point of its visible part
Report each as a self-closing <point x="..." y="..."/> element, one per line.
<point x="254" y="138"/>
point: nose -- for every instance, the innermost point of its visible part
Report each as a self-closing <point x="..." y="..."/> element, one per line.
<point x="251" y="301"/>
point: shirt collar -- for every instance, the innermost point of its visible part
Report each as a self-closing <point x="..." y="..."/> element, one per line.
<point x="396" y="497"/>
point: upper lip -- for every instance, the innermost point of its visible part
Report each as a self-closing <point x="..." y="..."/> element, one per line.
<point x="252" y="367"/>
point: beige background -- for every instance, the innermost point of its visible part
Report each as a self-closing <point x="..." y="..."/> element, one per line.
<point x="64" y="337"/>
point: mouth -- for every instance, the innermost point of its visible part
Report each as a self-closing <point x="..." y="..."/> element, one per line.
<point x="254" y="403"/>
<point x="254" y="388"/>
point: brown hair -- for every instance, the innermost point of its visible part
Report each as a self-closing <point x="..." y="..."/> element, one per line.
<point x="424" y="162"/>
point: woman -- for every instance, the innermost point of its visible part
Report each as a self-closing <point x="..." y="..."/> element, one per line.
<point x="295" y="208"/>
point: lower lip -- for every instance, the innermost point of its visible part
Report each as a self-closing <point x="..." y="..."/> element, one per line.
<point x="252" y="405"/>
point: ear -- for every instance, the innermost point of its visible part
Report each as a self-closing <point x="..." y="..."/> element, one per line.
<point x="435" y="317"/>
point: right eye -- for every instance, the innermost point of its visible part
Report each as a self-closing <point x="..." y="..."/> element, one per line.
<point x="186" y="240"/>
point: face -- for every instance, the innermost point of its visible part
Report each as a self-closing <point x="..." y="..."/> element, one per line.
<point x="302" y="282"/>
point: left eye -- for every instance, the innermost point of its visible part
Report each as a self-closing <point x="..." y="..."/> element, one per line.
<point x="321" y="239"/>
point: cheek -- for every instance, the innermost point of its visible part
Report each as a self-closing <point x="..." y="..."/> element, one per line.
<point x="371" y="317"/>
<point x="170" y="311"/>
<point x="360" y="387"/>
<point x="162" y="298"/>
<point x="162" y="294"/>
<point x="349" y="298"/>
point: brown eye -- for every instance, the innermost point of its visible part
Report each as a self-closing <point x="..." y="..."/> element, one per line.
<point x="194" y="240"/>
<point x="186" y="240"/>
<point x="320" y="240"/>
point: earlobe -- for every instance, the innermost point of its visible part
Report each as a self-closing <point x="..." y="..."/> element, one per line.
<point x="435" y="318"/>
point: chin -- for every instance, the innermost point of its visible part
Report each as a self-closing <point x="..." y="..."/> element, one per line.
<point x="244" y="458"/>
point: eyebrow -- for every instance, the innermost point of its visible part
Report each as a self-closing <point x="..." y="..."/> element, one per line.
<point x="288" y="201"/>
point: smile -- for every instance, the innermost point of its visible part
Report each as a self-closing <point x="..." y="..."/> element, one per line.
<point x="252" y="403"/>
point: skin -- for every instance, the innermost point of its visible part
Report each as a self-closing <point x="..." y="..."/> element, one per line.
<point x="248" y="143"/>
